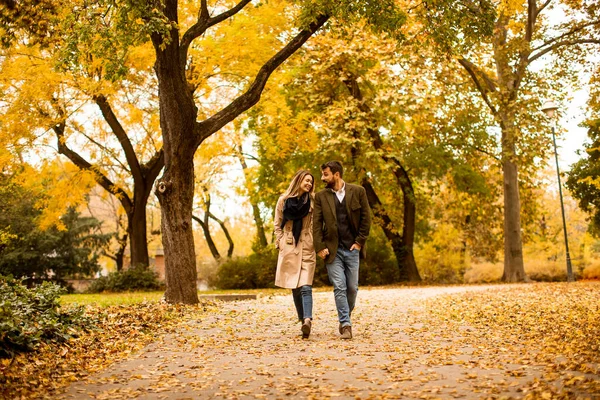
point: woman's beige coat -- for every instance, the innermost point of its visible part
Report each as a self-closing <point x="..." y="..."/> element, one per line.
<point x="296" y="264"/>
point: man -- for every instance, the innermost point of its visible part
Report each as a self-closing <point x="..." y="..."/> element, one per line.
<point x="341" y="223"/>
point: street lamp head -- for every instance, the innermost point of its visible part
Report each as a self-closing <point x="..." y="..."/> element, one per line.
<point x="549" y="108"/>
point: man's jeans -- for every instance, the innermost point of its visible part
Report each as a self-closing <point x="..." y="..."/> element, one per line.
<point x="303" y="301"/>
<point x="343" y="275"/>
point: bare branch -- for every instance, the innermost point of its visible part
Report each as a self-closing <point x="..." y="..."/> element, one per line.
<point x="561" y="44"/>
<point x="566" y="34"/>
<point x="543" y="6"/>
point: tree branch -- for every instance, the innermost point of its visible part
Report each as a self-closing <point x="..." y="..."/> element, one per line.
<point x="152" y="168"/>
<point x="472" y="70"/>
<point x="561" y="44"/>
<point x="83" y="164"/>
<point x="204" y="22"/>
<point x="566" y="34"/>
<point x="546" y="4"/>
<point x="531" y="17"/>
<point x="226" y="232"/>
<point x="252" y="95"/>
<point x="117" y="129"/>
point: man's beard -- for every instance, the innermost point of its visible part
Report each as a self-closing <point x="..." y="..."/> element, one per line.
<point x="330" y="184"/>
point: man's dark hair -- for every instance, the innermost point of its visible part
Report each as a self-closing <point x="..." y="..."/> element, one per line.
<point x="334" y="166"/>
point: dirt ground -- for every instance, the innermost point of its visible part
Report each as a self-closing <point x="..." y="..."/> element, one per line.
<point x="253" y="349"/>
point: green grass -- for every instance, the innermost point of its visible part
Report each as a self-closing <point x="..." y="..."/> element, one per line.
<point x="111" y="299"/>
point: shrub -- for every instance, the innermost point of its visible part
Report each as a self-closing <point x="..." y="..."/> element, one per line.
<point x="29" y="316"/>
<point x="442" y="258"/>
<point x="485" y="272"/>
<point x="254" y="271"/>
<point x="380" y="266"/>
<point x="131" y="279"/>
<point x="592" y="271"/>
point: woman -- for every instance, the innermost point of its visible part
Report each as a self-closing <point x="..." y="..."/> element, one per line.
<point x="293" y="234"/>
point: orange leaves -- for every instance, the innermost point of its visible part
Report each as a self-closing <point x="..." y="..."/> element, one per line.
<point x="121" y="331"/>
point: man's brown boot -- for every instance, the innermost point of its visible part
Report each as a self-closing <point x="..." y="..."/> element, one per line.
<point x="347" y="332"/>
<point x="306" y="328"/>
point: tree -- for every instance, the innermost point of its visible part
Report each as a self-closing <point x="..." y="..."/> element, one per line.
<point x="584" y="178"/>
<point x="114" y="139"/>
<point x="500" y="68"/>
<point x="55" y="252"/>
<point x="183" y="133"/>
<point x="363" y="99"/>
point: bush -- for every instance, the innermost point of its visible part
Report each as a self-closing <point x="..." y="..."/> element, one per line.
<point x="380" y="266"/>
<point x="31" y="316"/>
<point x="131" y="279"/>
<point x="484" y="272"/>
<point x="443" y="258"/>
<point x="254" y="271"/>
<point x="592" y="271"/>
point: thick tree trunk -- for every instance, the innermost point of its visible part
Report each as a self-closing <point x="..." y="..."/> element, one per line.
<point x="182" y="135"/>
<point x="514" y="270"/>
<point x="176" y="194"/>
<point x="175" y="189"/>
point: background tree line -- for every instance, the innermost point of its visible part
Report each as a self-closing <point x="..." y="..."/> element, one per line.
<point x="433" y="107"/>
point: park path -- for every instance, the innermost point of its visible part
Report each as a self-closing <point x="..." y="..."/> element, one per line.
<point x="252" y="349"/>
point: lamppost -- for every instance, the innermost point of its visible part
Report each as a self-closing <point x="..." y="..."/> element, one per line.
<point x="549" y="108"/>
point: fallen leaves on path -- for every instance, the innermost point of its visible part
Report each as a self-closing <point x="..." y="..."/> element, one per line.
<point x="499" y="341"/>
<point x="555" y="327"/>
<point x="534" y="341"/>
<point x="119" y="331"/>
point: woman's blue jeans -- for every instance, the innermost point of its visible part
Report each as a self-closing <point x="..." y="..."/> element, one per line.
<point x="303" y="301"/>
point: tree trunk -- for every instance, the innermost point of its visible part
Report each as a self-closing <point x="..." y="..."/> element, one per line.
<point x="407" y="259"/>
<point x="176" y="194"/>
<point x="407" y="265"/>
<point x="514" y="270"/>
<point x="138" y="236"/>
<point x="182" y="135"/>
<point x="402" y="244"/>
<point x="175" y="189"/>
<point x="261" y="236"/>
<point x="209" y="240"/>
<point x="121" y="252"/>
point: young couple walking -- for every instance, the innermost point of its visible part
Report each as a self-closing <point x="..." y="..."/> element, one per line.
<point x="334" y="225"/>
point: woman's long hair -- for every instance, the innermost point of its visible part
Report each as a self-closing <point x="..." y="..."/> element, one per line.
<point x="294" y="189"/>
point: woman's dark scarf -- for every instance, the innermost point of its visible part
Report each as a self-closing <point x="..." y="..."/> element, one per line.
<point x="294" y="209"/>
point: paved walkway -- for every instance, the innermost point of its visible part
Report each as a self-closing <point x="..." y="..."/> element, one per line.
<point x="253" y="349"/>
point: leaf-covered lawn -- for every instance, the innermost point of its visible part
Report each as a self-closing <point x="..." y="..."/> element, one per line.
<point x="120" y="331"/>
<point x="499" y="341"/>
